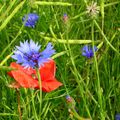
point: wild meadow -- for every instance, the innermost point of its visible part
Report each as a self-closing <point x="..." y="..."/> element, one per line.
<point x="59" y="60"/>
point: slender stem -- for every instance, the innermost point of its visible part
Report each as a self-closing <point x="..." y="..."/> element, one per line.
<point x="98" y="79"/>
<point x="40" y="84"/>
<point x="76" y="115"/>
<point x="102" y="13"/>
<point x="18" y="99"/>
<point x="33" y="103"/>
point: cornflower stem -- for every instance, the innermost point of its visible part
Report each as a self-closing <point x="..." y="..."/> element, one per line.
<point x="19" y="109"/>
<point x="40" y="84"/>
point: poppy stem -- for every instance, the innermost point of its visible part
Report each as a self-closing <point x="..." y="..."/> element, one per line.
<point x="19" y="109"/>
<point x="40" y="84"/>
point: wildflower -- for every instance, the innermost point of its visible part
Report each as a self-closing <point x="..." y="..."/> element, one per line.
<point x="88" y="52"/>
<point x="71" y="102"/>
<point x="65" y="18"/>
<point x="30" y="19"/>
<point x="117" y="117"/>
<point x="27" y="78"/>
<point x="28" y="54"/>
<point x="93" y="9"/>
<point x="68" y="98"/>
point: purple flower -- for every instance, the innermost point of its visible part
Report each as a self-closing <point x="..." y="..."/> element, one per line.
<point x="88" y="52"/>
<point x="68" y="98"/>
<point x="30" y="20"/>
<point x="28" y="54"/>
<point x="117" y="117"/>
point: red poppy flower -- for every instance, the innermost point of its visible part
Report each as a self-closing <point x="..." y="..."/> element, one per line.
<point x="27" y="78"/>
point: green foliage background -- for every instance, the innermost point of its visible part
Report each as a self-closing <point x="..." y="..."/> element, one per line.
<point x="94" y="84"/>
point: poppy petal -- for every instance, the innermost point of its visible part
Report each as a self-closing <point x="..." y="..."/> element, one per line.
<point x="27" y="77"/>
<point x="48" y="70"/>
<point x="50" y="85"/>
<point x="22" y="77"/>
<point x="10" y="74"/>
<point x="28" y="71"/>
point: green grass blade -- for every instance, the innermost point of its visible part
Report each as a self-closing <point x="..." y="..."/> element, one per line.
<point x="105" y="37"/>
<point x="11" y="15"/>
<point x="6" y="58"/>
<point x="8" y="9"/>
<point x="7" y="114"/>
<point x="6" y="68"/>
<point x="112" y="3"/>
<point x="59" y="54"/>
<point x="6" y="48"/>
<point x="52" y="3"/>
<point x="67" y="41"/>
<point x="2" y="8"/>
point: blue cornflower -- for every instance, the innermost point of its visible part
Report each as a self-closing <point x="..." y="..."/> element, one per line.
<point x="117" y="117"/>
<point x="88" y="52"/>
<point x="28" y="54"/>
<point x="30" y="19"/>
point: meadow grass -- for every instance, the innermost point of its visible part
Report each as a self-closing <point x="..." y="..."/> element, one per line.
<point x="93" y="83"/>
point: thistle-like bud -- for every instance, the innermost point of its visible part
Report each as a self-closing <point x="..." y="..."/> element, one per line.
<point x="93" y="9"/>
